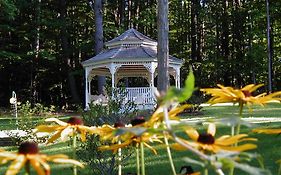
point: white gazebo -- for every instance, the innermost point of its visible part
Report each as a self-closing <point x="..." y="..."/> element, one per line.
<point x="131" y="54"/>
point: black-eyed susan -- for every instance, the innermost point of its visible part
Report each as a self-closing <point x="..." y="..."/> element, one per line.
<point x="107" y="132"/>
<point x="133" y="140"/>
<point x="267" y="130"/>
<point x="64" y="129"/>
<point x="28" y="155"/>
<point x="208" y="142"/>
<point x="242" y="96"/>
<point x="129" y="138"/>
<point x="158" y="116"/>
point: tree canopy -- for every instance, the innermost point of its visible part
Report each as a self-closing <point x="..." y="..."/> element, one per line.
<point x="42" y="43"/>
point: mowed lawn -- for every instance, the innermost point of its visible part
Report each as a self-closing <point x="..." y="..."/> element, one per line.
<point x="268" y="145"/>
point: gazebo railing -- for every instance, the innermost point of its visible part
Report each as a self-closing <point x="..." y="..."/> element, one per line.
<point x="141" y="96"/>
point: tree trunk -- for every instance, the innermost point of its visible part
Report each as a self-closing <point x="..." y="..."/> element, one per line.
<point x="99" y="39"/>
<point x="163" y="46"/>
<point x="66" y="55"/>
<point x="193" y="31"/>
<point x="34" y="64"/>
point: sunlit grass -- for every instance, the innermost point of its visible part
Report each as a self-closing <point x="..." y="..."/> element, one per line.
<point x="268" y="145"/>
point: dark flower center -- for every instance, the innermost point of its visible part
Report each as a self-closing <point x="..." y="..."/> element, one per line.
<point x="119" y="125"/>
<point x="247" y="93"/>
<point x="28" y="148"/>
<point x="206" y="139"/>
<point x="137" y="121"/>
<point x="75" y="121"/>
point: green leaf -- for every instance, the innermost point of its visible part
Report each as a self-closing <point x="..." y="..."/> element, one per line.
<point x="251" y="170"/>
<point x="181" y="95"/>
<point x="232" y="121"/>
<point x="227" y="163"/>
<point x="189" y="86"/>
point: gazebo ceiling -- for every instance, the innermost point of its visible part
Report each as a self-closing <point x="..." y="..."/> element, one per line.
<point x="130" y="70"/>
<point x="126" y="71"/>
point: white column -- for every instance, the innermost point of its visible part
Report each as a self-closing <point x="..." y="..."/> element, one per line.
<point x="87" y="87"/>
<point x="178" y="85"/>
<point x="151" y="69"/>
<point x="113" y="68"/>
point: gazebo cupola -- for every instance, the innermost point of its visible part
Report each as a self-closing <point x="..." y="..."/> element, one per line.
<point x="131" y="54"/>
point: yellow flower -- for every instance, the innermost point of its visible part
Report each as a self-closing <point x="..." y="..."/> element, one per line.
<point x="158" y="116"/>
<point x="242" y="96"/>
<point x="133" y="140"/>
<point x="64" y="129"/>
<point x="107" y="132"/>
<point x="28" y="154"/>
<point x="267" y="131"/>
<point x="129" y="138"/>
<point x="207" y="141"/>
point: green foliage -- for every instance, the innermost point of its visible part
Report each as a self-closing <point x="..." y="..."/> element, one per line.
<point x="181" y="95"/>
<point x="27" y="109"/>
<point x="116" y="110"/>
<point x="29" y="117"/>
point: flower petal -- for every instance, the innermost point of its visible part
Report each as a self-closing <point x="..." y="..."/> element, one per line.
<point x="66" y="132"/>
<point x="192" y="133"/>
<point x="42" y="160"/>
<point x="241" y="148"/>
<point x="83" y="135"/>
<point x="66" y="161"/>
<point x="62" y="123"/>
<point x="91" y="130"/>
<point x="115" y="147"/>
<point x="46" y="128"/>
<point x="252" y="87"/>
<point x="54" y="137"/>
<point x="229" y="140"/>
<point x="150" y="147"/>
<point x="268" y="131"/>
<point x="36" y="165"/>
<point x="212" y="129"/>
<point x="16" y="165"/>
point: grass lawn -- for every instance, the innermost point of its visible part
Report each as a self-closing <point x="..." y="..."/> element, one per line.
<point x="268" y="145"/>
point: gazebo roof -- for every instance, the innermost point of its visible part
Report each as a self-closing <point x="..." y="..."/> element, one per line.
<point x="140" y="53"/>
<point x="131" y="36"/>
<point x="130" y="46"/>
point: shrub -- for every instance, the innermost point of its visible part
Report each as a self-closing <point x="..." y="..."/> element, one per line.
<point x="29" y="116"/>
<point x="116" y="110"/>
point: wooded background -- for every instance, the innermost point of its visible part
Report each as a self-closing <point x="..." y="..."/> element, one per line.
<point x="42" y="43"/>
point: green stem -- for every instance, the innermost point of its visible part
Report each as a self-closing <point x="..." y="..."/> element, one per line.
<point x="74" y="153"/>
<point x="238" y="128"/>
<point x="240" y="116"/>
<point x="119" y="160"/>
<point x="231" y="171"/>
<point x="260" y="161"/>
<point x="27" y="168"/>
<point x="206" y="172"/>
<point x="142" y="159"/>
<point x="169" y="154"/>
<point x="232" y="130"/>
<point x="138" y="159"/>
